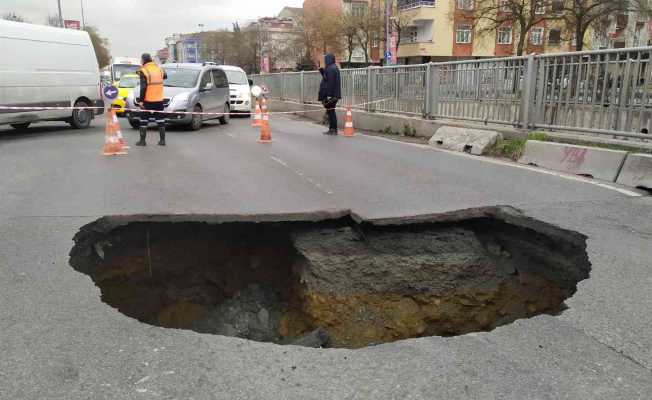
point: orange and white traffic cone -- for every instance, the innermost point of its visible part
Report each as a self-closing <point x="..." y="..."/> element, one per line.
<point x="257" y="120"/>
<point x="265" y="130"/>
<point x="118" y="130"/>
<point x="349" y="131"/>
<point x="112" y="145"/>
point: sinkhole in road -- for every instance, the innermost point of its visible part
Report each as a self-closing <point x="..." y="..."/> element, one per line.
<point x="332" y="282"/>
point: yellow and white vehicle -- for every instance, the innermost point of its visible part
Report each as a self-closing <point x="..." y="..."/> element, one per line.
<point x="125" y="86"/>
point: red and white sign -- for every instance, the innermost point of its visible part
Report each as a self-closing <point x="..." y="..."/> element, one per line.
<point x="72" y="24"/>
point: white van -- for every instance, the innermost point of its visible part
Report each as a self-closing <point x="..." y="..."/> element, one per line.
<point x="240" y="89"/>
<point x="42" y="66"/>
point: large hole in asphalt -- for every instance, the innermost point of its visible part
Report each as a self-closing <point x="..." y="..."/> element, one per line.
<point x="333" y="282"/>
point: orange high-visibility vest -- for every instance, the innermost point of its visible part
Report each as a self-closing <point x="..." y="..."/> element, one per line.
<point x="154" y="75"/>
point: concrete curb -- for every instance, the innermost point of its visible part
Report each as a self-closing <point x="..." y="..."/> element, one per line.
<point x="579" y="160"/>
<point x="637" y="171"/>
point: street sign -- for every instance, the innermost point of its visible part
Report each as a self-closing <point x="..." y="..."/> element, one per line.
<point x="110" y="92"/>
<point x="72" y="24"/>
<point x="388" y="55"/>
<point x="265" y="89"/>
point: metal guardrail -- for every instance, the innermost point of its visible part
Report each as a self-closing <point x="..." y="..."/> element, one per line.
<point x="600" y="92"/>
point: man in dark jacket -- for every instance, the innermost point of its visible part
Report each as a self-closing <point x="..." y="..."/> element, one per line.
<point x="330" y="92"/>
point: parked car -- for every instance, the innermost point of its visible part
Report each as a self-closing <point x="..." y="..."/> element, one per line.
<point x="43" y="66"/>
<point x="240" y="88"/>
<point x="191" y="87"/>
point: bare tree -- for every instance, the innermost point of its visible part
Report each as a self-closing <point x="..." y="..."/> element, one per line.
<point x="521" y="15"/>
<point x="12" y="16"/>
<point x="350" y="27"/>
<point x="53" y="20"/>
<point x="580" y="15"/>
<point x="323" y="26"/>
<point x="399" y="24"/>
<point x="372" y="25"/>
<point x="101" y="46"/>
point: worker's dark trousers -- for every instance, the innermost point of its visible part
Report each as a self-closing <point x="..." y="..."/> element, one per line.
<point x="147" y="117"/>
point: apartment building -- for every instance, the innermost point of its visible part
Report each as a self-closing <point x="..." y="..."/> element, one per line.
<point x="445" y="30"/>
<point x="279" y="37"/>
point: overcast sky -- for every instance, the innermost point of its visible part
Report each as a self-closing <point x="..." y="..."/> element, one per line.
<point x="136" y="26"/>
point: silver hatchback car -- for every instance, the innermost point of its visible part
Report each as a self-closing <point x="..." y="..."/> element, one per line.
<point x="191" y="87"/>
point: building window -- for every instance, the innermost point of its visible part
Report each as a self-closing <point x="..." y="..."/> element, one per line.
<point x="375" y="40"/>
<point x="505" y="6"/>
<point x="536" y="36"/>
<point x="358" y="9"/>
<point x="554" y="37"/>
<point x="505" y="35"/>
<point x="463" y="34"/>
<point x="539" y="7"/>
<point x="465" y="4"/>
<point x="409" y="35"/>
<point x="558" y="7"/>
<point x="621" y="21"/>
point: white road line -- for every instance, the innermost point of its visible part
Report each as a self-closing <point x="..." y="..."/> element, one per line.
<point x="514" y="165"/>
<point x="302" y="176"/>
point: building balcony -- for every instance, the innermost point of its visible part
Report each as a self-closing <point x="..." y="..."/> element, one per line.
<point x="416" y="49"/>
<point x="404" y="5"/>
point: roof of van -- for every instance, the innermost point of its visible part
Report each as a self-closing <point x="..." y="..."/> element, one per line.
<point x="230" y="68"/>
<point x="21" y="30"/>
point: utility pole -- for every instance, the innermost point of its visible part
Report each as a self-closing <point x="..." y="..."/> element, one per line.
<point x="388" y="28"/>
<point x="60" y="14"/>
<point x="82" y="14"/>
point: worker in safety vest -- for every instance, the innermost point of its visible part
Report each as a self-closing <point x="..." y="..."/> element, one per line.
<point x="151" y="98"/>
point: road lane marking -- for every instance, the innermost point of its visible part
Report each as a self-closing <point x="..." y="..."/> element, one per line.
<point x="302" y="176"/>
<point x="514" y="165"/>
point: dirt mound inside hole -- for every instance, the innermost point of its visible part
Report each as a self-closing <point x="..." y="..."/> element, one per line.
<point x="333" y="283"/>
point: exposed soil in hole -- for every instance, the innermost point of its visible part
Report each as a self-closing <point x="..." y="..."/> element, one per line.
<point x="333" y="283"/>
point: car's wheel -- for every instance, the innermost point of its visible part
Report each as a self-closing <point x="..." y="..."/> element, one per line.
<point x="197" y="119"/>
<point x="81" y="119"/>
<point x="135" y="123"/>
<point x="226" y="116"/>
<point x="21" y="127"/>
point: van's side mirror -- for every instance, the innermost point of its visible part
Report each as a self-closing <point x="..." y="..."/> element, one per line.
<point x="251" y="82"/>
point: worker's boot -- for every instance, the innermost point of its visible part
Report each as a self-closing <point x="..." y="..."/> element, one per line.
<point x="161" y="132"/>
<point x="143" y="135"/>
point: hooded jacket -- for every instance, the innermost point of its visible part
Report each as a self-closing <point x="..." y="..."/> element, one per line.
<point x="332" y="78"/>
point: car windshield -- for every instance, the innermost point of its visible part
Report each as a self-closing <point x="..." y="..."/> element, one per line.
<point x="237" y="77"/>
<point x="129" y="81"/>
<point x="123" y="69"/>
<point x="179" y="77"/>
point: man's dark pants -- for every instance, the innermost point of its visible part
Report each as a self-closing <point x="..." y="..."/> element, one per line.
<point x="332" y="115"/>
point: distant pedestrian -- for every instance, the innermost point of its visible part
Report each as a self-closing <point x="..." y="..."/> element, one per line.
<point x="330" y="92"/>
<point x="151" y="98"/>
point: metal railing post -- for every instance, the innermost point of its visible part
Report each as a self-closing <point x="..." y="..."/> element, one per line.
<point x="434" y="90"/>
<point x="283" y="89"/>
<point x="527" y="92"/>
<point x="427" y="99"/>
<point x="371" y="88"/>
<point x="302" y="96"/>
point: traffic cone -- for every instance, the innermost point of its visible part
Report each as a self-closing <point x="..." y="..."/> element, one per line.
<point x="112" y="145"/>
<point x="265" y="130"/>
<point x="257" y="121"/>
<point x="118" y="131"/>
<point x="348" y="123"/>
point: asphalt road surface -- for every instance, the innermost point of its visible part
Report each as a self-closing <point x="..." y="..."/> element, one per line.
<point x="59" y="341"/>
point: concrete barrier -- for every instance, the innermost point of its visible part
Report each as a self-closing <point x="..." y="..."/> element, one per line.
<point x="381" y="122"/>
<point x="474" y="141"/>
<point x="637" y="171"/>
<point x="580" y="160"/>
